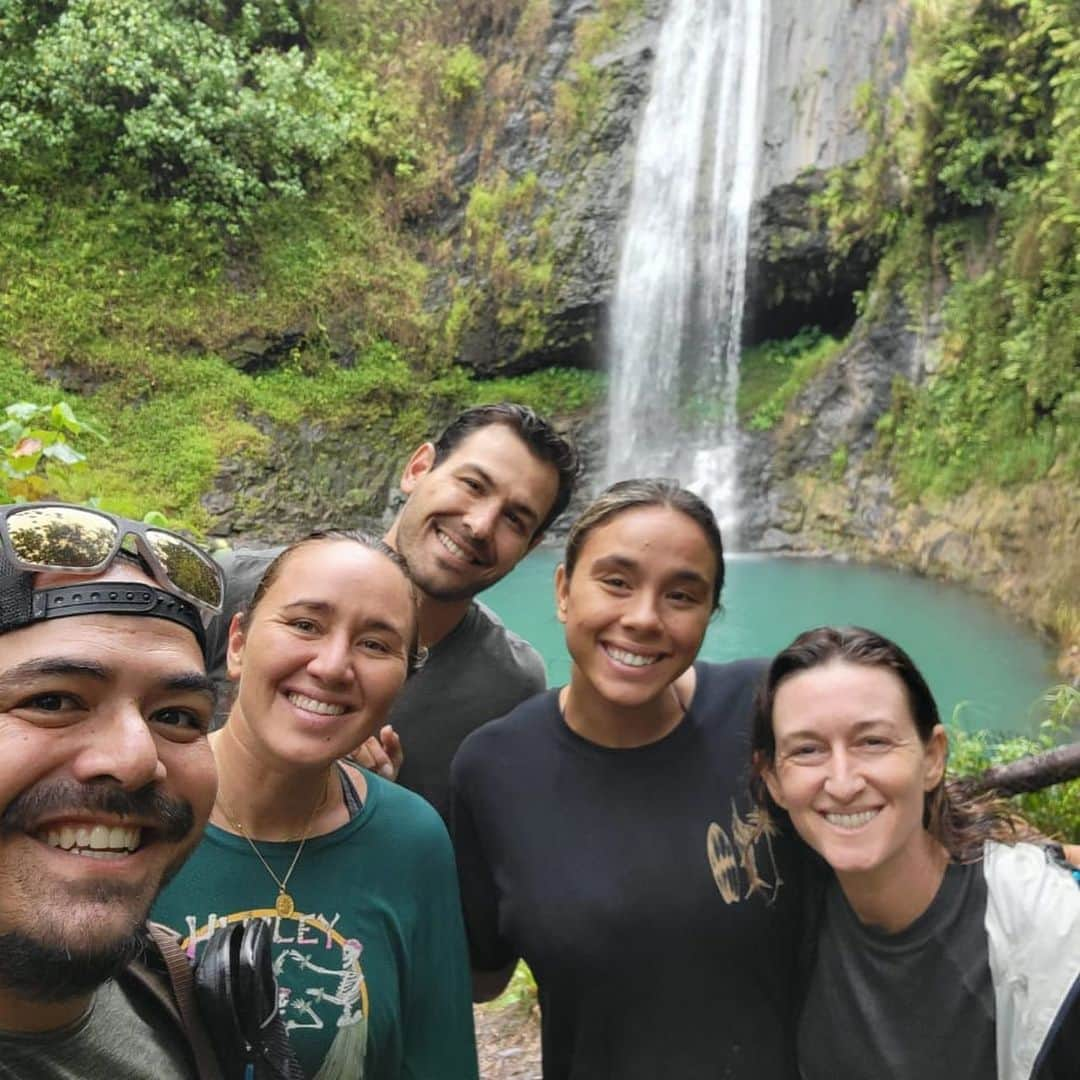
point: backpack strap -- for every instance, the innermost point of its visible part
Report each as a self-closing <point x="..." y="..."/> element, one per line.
<point x="183" y="988"/>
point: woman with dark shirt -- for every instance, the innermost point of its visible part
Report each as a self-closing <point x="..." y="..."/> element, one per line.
<point x="602" y="830"/>
<point x="946" y="944"/>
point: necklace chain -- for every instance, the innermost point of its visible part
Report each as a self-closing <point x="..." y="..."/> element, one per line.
<point x="284" y="904"/>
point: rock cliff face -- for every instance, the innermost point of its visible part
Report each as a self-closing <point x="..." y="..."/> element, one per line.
<point x="569" y="131"/>
<point x="819" y="56"/>
<point x="583" y="170"/>
<point x="581" y="165"/>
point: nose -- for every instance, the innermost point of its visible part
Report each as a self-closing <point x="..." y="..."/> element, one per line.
<point x="332" y="659"/>
<point x="121" y="748"/>
<point x="481" y="517"/>
<point x="844" y="781"/>
<point x="641" y="612"/>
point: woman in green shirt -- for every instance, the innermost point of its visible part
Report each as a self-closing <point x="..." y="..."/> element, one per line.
<point x="355" y="874"/>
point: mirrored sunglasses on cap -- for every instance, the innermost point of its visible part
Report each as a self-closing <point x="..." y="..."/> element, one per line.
<point x="78" y="540"/>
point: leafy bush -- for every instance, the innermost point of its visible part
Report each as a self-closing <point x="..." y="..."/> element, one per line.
<point x="463" y="75"/>
<point x="971" y="177"/>
<point x="36" y="453"/>
<point x="212" y="106"/>
<point x="1054" y="810"/>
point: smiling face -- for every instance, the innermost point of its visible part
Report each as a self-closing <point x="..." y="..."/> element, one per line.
<point x="106" y="779"/>
<point x="852" y="771"/>
<point x="637" y="604"/>
<point x="470" y="519"/>
<point x="323" y="653"/>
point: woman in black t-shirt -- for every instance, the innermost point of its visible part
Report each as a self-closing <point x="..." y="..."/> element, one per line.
<point x="602" y="831"/>
<point x="945" y="948"/>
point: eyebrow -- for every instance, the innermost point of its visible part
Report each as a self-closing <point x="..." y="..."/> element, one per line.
<point x="310" y="605"/>
<point x="521" y="508"/>
<point x="624" y="562"/>
<point x="322" y="606"/>
<point x="858" y="726"/>
<point x="191" y="681"/>
<point x="13" y="680"/>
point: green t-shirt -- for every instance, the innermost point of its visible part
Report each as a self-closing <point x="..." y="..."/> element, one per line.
<point x="372" y="970"/>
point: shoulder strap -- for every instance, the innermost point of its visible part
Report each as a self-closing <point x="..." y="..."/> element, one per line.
<point x="183" y="988"/>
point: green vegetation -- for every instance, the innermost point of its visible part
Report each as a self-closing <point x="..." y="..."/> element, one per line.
<point x="972" y="181"/>
<point x="520" y="994"/>
<point x="520" y="276"/>
<point x="1054" y="810"/>
<point x="772" y="374"/>
<point x="579" y="98"/>
<point x="211" y="107"/>
<point x="187" y="185"/>
<point x="552" y="392"/>
<point x="37" y="457"/>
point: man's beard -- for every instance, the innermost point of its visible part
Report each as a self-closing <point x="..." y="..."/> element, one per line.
<point x="434" y="589"/>
<point x="55" y="965"/>
<point x="46" y="972"/>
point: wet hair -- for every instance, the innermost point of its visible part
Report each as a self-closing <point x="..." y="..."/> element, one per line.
<point x="639" y="494"/>
<point x="961" y="823"/>
<point x="417" y="653"/>
<point x="534" y="431"/>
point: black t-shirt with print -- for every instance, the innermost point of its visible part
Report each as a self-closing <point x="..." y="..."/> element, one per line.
<point x="663" y="945"/>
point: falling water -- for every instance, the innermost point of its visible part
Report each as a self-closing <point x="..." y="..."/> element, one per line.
<point x="677" y="313"/>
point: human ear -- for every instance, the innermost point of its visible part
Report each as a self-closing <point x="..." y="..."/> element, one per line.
<point x="234" y="656"/>
<point x="937" y="753"/>
<point x="768" y="774"/>
<point x="562" y="588"/>
<point x="419" y="465"/>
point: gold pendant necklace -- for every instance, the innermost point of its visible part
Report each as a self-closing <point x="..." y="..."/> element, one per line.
<point x="284" y="904"/>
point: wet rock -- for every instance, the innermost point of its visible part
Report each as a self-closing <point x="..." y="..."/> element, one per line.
<point x="254" y="352"/>
<point x="794" y="276"/>
<point x="76" y="378"/>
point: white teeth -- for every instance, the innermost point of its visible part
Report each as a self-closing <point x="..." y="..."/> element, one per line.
<point x="852" y="821"/>
<point x="629" y="658"/>
<point x="302" y="701"/>
<point x="101" y="840"/>
<point x="455" y="549"/>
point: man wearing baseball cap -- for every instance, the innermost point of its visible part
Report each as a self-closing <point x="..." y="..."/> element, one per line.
<point x="106" y="781"/>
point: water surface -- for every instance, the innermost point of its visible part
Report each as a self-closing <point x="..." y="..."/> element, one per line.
<point x="983" y="665"/>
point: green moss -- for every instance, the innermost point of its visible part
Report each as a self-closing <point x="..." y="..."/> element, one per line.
<point x="772" y="374"/>
<point x="580" y="98"/>
<point x="552" y="392"/>
<point x="520" y="271"/>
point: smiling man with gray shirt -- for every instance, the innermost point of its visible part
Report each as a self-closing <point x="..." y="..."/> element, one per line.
<point x="479" y="499"/>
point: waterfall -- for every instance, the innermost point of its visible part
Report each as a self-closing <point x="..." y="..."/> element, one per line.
<point x="677" y="311"/>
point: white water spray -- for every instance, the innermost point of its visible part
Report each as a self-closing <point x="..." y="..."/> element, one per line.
<point x="677" y="313"/>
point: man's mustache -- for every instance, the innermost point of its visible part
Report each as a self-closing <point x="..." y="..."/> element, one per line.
<point x="171" y="818"/>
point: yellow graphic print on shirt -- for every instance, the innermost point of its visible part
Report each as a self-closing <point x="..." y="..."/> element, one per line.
<point x="321" y="984"/>
<point x="737" y="858"/>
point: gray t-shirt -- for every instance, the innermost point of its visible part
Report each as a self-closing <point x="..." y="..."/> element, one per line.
<point x="919" y="1003"/>
<point x="479" y="671"/>
<point x="118" y="1038"/>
